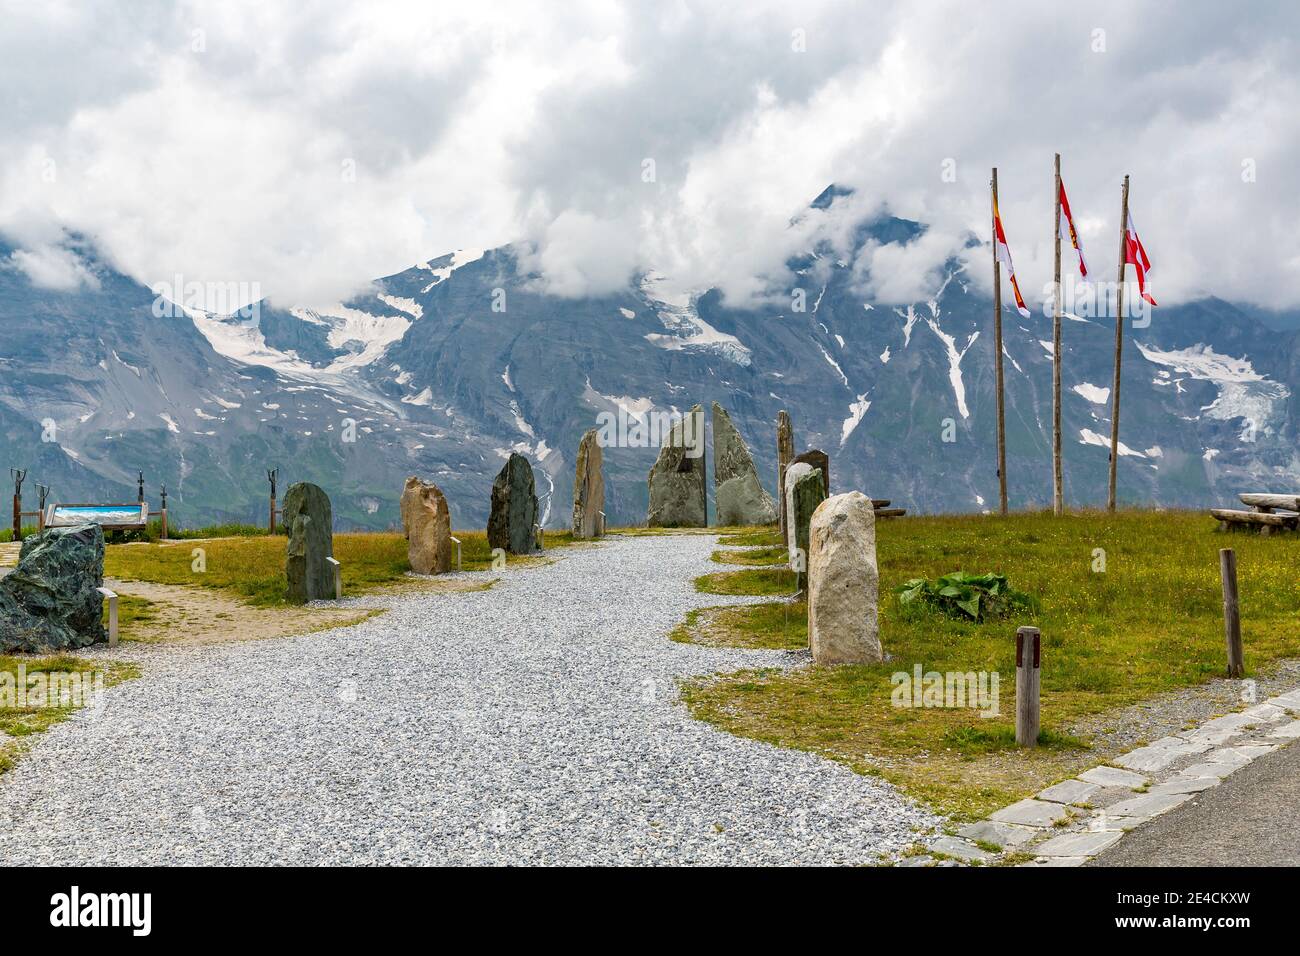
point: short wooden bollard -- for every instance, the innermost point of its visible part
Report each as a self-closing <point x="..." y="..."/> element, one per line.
<point x="1028" y="660"/>
<point x="1231" y="612"/>
<point x="111" y="598"/>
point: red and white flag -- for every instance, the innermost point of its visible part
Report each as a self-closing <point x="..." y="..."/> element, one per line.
<point x="1003" y="253"/>
<point x="1069" y="232"/>
<point x="1135" y="254"/>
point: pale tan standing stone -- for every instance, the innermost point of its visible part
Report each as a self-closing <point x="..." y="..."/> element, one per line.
<point x="426" y="520"/>
<point x="588" y="488"/>
<point x="843" y="582"/>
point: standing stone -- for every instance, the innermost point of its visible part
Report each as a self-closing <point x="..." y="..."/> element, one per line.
<point x="843" y="582"/>
<point x="310" y="520"/>
<point x="739" y="495"/>
<point x="588" y="489"/>
<point x="513" y="519"/>
<point x="426" y="520"/>
<point x="784" y="456"/>
<point x="677" y="494"/>
<point x="50" y="601"/>
<point x="819" y="460"/>
<point x="804" y="492"/>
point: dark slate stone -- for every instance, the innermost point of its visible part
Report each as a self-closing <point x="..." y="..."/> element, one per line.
<point x="809" y="492"/>
<point x="512" y="521"/>
<point x="310" y="520"/>
<point x="676" y="482"/>
<point x="50" y="601"/>
<point x="819" y="460"/>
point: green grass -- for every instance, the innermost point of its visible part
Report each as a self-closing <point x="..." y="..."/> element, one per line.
<point x="757" y="581"/>
<point x="7" y="533"/>
<point x="1151" y="623"/>
<point x="772" y="625"/>
<point x="752" y="556"/>
<point x="132" y="611"/>
<point x="21" y="722"/>
<point x="770" y="538"/>
<point x="253" y="566"/>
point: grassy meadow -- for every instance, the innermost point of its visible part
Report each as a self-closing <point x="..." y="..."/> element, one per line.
<point x="1130" y="606"/>
<point x="252" y="566"/>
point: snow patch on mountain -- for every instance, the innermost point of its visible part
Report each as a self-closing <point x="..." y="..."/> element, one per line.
<point x="688" y="332"/>
<point x="1093" y="393"/>
<point x="1243" y="392"/>
<point x="1089" y="437"/>
<point x="835" y="365"/>
<point x="856" y="411"/>
<point x="457" y="260"/>
<point x="954" y="362"/>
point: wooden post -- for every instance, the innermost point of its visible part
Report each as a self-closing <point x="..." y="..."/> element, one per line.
<point x="997" y="355"/>
<point x="1028" y="660"/>
<point x="18" y="475"/>
<point x="784" y="455"/>
<point x="271" y="475"/>
<point x="1119" y="346"/>
<point x="1231" y="612"/>
<point x="163" y="519"/>
<point x="1058" y="493"/>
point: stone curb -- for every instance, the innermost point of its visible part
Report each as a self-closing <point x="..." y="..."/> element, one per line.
<point x="1069" y="823"/>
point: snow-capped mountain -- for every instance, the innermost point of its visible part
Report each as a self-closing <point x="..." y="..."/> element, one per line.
<point x="443" y="369"/>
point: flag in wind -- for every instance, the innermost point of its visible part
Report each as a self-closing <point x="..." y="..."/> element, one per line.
<point x="1004" y="256"/>
<point x="1135" y="254"/>
<point x="1069" y="232"/>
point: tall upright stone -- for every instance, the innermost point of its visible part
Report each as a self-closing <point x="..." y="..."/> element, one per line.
<point x="804" y="491"/>
<point x="784" y="456"/>
<point x="677" y="491"/>
<point x="819" y="460"/>
<point x="310" y="520"/>
<point x="589" y="489"/>
<point x="739" y="496"/>
<point x="512" y="523"/>
<point x="426" y="521"/>
<point x="843" y="582"/>
<point x="50" y="601"/>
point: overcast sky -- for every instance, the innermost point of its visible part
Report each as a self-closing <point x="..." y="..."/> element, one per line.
<point x="311" y="147"/>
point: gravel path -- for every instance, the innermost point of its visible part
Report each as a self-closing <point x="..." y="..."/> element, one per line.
<point x="534" y="722"/>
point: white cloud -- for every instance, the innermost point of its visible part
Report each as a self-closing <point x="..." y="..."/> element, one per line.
<point x="473" y="127"/>
<point x="52" y="267"/>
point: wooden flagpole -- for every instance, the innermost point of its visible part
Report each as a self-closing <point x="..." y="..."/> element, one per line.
<point x="1058" y="492"/>
<point x="997" y="355"/>
<point x="1119" y="345"/>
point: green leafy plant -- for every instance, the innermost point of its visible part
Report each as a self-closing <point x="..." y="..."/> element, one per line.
<point x="976" y="597"/>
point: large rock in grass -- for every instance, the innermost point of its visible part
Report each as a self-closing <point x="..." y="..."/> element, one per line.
<point x="843" y="582"/>
<point x="677" y="494"/>
<point x="426" y="521"/>
<point x="588" y="489"/>
<point x="310" y="520"/>
<point x="784" y="458"/>
<point x="50" y="601"/>
<point x="739" y="496"/>
<point x="513" y="519"/>
<point x="805" y="490"/>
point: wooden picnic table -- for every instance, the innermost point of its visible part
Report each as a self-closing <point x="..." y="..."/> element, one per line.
<point x="1263" y="515"/>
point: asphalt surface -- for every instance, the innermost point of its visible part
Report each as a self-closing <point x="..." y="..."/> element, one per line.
<point x="1251" y="819"/>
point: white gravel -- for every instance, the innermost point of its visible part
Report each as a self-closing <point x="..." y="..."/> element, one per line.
<point x="535" y="722"/>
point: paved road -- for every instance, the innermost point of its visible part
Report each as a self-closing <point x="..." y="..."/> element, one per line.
<point x="534" y="722"/>
<point x="1251" y="819"/>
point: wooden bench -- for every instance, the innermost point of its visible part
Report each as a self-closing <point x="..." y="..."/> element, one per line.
<point x="1264" y="515"/>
